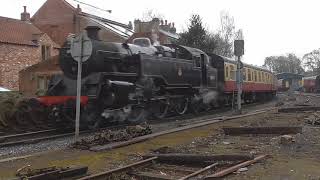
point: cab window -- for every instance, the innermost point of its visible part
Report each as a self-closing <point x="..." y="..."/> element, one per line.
<point x="197" y="61"/>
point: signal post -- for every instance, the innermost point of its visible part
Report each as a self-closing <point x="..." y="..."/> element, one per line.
<point x="238" y="52"/>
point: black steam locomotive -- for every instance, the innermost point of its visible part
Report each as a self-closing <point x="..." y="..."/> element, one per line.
<point x="127" y="82"/>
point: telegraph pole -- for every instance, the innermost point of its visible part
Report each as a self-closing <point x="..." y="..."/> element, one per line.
<point x="81" y="49"/>
<point x="239" y="51"/>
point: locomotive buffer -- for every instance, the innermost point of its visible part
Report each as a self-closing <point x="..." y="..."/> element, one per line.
<point x="81" y="49"/>
<point x="239" y="51"/>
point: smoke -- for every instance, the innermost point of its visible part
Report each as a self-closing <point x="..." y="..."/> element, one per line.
<point x="209" y="97"/>
<point x="154" y="37"/>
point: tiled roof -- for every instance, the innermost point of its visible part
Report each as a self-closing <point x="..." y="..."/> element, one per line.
<point x="17" y="32"/>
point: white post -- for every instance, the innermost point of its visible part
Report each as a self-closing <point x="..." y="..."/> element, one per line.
<point x="239" y="85"/>
<point x="78" y="103"/>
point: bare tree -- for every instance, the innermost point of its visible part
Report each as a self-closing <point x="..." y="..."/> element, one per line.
<point x="227" y="32"/>
<point x="289" y="63"/>
<point x="239" y="35"/>
<point x="150" y="14"/>
<point x="312" y="61"/>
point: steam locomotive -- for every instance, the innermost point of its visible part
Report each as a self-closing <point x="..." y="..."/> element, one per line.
<point x="130" y="82"/>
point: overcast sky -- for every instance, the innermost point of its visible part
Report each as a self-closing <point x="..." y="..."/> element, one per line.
<point x="270" y="27"/>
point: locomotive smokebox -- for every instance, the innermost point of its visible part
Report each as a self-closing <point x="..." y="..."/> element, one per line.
<point x="93" y="32"/>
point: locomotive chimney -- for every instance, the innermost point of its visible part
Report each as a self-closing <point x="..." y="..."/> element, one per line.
<point x="93" y="32"/>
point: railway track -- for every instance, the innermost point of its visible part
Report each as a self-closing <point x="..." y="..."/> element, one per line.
<point x="209" y="169"/>
<point x="51" y="134"/>
<point x="37" y="136"/>
<point x="179" y="167"/>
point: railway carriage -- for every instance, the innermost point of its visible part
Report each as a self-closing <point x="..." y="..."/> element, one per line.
<point x="309" y="84"/>
<point x="258" y="83"/>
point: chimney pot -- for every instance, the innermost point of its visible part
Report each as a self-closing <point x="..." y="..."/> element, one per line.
<point x="165" y="22"/>
<point x="25" y="16"/>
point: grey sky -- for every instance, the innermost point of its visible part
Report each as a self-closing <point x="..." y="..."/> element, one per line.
<point x="270" y="27"/>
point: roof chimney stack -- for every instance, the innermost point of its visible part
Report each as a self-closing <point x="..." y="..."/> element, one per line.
<point x="25" y="16"/>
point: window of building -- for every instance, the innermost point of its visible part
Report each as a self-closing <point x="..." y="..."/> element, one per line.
<point x="45" y="52"/>
<point x="41" y="83"/>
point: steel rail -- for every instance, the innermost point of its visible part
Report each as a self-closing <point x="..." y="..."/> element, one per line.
<point x="118" y="170"/>
<point x="26" y="134"/>
<point x="27" y="140"/>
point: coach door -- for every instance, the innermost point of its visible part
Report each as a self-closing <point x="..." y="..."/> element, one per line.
<point x="204" y="79"/>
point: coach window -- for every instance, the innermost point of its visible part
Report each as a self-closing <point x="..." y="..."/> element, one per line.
<point x="226" y="72"/>
<point x="252" y="75"/>
<point x="259" y="76"/>
<point x="249" y="75"/>
<point x="232" y="72"/>
<point x="255" y="76"/>
<point x="269" y="78"/>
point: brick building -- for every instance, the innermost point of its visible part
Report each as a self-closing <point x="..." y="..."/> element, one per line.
<point x="59" y="18"/>
<point x="21" y="45"/>
<point x="156" y="30"/>
<point x="34" y="79"/>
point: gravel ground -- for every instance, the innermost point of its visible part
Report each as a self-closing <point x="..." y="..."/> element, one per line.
<point x="65" y="142"/>
<point x="297" y="160"/>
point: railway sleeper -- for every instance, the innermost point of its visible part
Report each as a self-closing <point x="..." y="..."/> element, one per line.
<point x="156" y="167"/>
